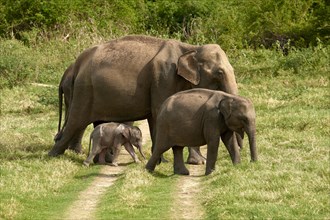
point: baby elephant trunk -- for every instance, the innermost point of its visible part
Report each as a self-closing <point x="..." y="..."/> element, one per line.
<point x="139" y="146"/>
<point x="251" y="132"/>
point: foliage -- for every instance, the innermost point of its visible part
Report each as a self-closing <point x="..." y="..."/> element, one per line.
<point x="232" y="23"/>
<point x="15" y="65"/>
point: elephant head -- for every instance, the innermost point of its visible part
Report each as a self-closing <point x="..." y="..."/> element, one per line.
<point x="134" y="135"/>
<point x="239" y="116"/>
<point x="208" y="67"/>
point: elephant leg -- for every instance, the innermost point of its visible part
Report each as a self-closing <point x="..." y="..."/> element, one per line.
<point x="152" y="126"/>
<point x="97" y="156"/>
<point x="95" y="150"/>
<point x="101" y="156"/>
<point x="230" y="140"/>
<point x="75" y="143"/>
<point x="78" y="119"/>
<point x="129" y="148"/>
<point x="155" y="157"/>
<point x="116" y="151"/>
<point x="70" y="131"/>
<point x="179" y="167"/>
<point x="195" y="156"/>
<point x="239" y="137"/>
<point x="212" y="155"/>
<point x="152" y="133"/>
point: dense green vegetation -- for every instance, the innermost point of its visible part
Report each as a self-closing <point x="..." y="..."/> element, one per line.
<point x="233" y="23"/>
<point x="59" y="30"/>
<point x="280" y="53"/>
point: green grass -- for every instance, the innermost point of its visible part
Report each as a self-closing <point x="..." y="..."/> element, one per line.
<point x="140" y="195"/>
<point x="290" y="181"/>
<point x="30" y="181"/>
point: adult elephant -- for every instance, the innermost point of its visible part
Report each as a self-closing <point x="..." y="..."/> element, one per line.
<point x="65" y="89"/>
<point x="129" y="78"/>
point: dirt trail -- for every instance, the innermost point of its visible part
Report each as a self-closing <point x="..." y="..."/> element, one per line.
<point x="185" y="206"/>
<point x="85" y="206"/>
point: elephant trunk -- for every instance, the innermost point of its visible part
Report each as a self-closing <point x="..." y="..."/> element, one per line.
<point x="140" y="150"/>
<point x="251" y="132"/>
<point x="230" y="85"/>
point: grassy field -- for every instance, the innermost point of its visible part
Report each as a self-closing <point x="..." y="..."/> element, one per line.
<point x="290" y="181"/>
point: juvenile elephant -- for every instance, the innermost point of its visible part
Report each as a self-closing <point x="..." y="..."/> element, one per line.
<point x="112" y="136"/>
<point x="129" y="78"/>
<point x="65" y="89"/>
<point x="200" y="116"/>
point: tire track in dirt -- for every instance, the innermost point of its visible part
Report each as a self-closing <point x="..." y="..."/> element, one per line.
<point x="85" y="206"/>
<point x="186" y="204"/>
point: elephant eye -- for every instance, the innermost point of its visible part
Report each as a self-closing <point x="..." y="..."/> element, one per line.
<point x="219" y="73"/>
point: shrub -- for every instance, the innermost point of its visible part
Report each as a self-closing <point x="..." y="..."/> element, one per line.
<point x="231" y="23"/>
<point x="16" y="63"/>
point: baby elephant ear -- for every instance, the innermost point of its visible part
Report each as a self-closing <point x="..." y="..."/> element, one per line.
<point x="188" y="67"/>
<point x="126" y="133"/>
<point x="123" y="130"/>
<point x="225" y="107"/>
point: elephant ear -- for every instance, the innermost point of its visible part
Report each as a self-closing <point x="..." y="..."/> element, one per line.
<point x="225" y="107"/>
<point x="124" y="131"/>
<point x="188" y="67"/>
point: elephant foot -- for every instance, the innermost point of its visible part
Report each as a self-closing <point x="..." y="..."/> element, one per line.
<point x="114" y="164"/>
<point x="108" y="157"/>
<point x="208" y="171"/>
<point x="196" y="161"/>
<point x="150" y="167"/>
<point x="195" y="156"/>
<point x="236" y="161"/>
<point x="181" y="170"/>
<point x="137" y="161"/>
<point x="77" y="151"/>
<point x="76" y="148"/>
<point x="85" y="163"/>
<point x="54" y="153"/>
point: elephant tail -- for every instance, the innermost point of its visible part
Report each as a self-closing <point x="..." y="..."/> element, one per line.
<point x="60" y="104"/>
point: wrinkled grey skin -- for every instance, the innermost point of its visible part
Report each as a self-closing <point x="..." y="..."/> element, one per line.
<point x="112" y="136"/>
<point x="65" y="89"/>
<point x="129" y="78"/>
<point x="200" y="116"/>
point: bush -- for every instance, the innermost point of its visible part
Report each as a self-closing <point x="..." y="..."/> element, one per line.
<point x="263" y="62"/>
<point x="231" y="23"/>
<point x="16" y="63"/>
<point x="21" y="64"/>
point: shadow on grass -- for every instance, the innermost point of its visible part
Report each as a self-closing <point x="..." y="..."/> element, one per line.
<point x="28" y="152"/>
<point x="96" y="174"/>
<point x="160" y="175"/>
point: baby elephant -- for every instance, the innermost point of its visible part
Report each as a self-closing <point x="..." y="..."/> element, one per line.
<point x="113" y="136"/>
<point x="199" y="116"/>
